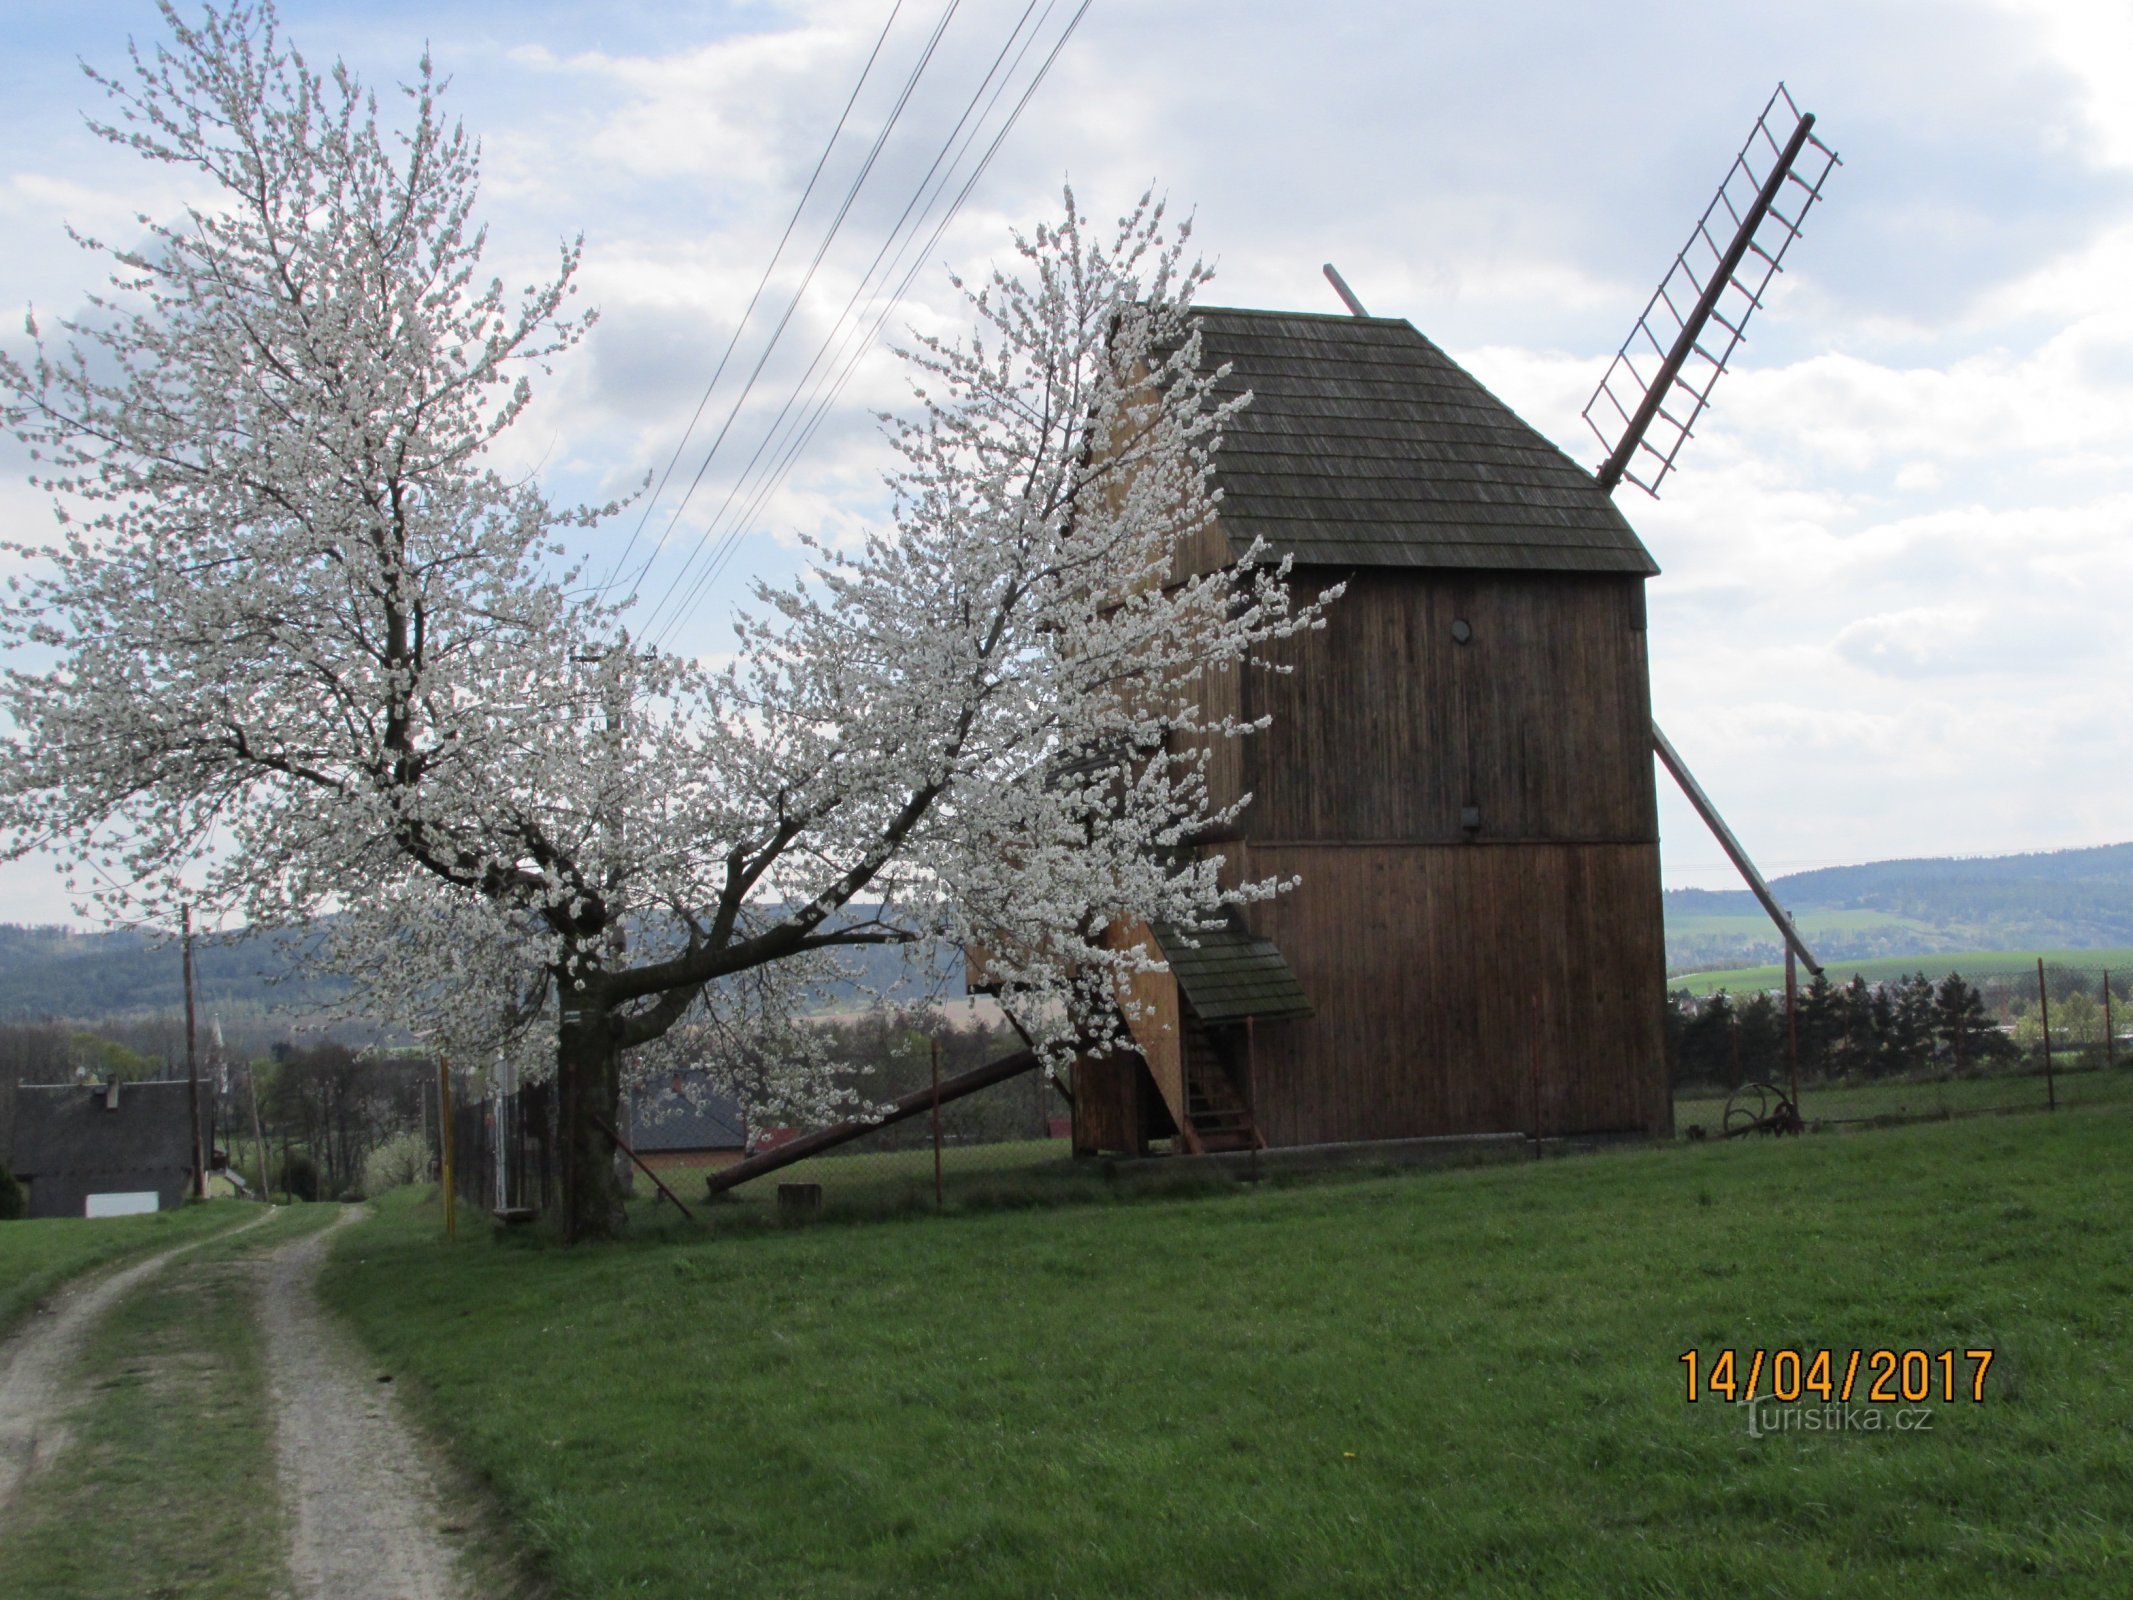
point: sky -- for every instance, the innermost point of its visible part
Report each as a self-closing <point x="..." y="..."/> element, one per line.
<point x="1895" y="563"/>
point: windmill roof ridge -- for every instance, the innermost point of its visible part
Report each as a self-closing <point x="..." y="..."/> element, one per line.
<point x="1367" y="445"/>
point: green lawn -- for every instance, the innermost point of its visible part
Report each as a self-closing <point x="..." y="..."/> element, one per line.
<point x="1897" y="1100"/>
<point x="1461" y="1382"/>
<point x="37" y="1256"/>
<point x="1973" y="965"/>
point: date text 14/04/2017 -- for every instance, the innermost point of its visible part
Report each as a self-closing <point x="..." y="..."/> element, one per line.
<point x="1878" y="1377"/>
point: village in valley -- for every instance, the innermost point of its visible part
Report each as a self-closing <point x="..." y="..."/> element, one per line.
<point x="922" y="898"/>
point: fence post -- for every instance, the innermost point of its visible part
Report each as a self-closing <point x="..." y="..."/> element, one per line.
<point x="444" y="1121"/>
<point x="1536" y="1075"/>
<point x="2044" y="1010"/>
<point x="2110" y="1035"/>
<point x="939" y="1199"/>
<point x="1792" y="1026"/>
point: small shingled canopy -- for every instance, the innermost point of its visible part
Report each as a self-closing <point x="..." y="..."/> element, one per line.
<point x="1227" y="975"/>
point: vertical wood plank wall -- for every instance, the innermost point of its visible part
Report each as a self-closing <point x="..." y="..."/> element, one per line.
<point x="1422" y="942"/>
<point x="1423" y="962"/>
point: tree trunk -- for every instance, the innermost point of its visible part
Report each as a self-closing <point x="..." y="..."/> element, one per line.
<point x="589" y="1083"/>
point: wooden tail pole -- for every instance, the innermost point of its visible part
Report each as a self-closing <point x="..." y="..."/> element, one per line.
<point x="1670" y="758"/>
<point x="917" y="1103"/>
<point x="1340" y="287"/>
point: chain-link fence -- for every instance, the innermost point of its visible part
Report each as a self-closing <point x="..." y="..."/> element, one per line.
<point x="1008" y="1139"/>
<point x="1862" y="1051"/>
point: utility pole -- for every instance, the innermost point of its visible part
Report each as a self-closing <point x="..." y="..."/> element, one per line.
<point x="259" y="1138"/>
<point x="192" y="1057"/>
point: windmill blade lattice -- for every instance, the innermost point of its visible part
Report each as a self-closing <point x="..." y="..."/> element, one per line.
<point x="1658" y="384"/>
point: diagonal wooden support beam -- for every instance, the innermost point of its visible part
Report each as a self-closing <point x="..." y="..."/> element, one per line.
<point x="913" y="1104"/>
<point x="1670" y="758"/>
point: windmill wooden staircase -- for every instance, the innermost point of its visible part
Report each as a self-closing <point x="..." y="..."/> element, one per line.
<point x="1217" y="1116"/>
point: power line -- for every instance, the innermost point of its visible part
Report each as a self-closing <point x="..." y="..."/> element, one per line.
<point x="785" y="238"/>
<point x="820" y="409"/>
<point x="851" y="195"/>
<point x="843" y="328"/>
<point x="865" y="344"/>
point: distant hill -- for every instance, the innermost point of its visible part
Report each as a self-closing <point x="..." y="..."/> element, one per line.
<point x="85" y="977"/>
<point x="51" y="972"/>
<point x="2059" y="899"/>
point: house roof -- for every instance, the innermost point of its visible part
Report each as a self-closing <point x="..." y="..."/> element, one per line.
<point x="1227" y="975"/>
<point x="81" y="1129"/>
<point x="683" y="1114"/>
<point x="1366" y="445"/>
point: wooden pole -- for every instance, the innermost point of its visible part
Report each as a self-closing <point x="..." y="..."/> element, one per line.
<point x="623" y="1145"/>
<point x="2110" y="1042"/>
<point x="1670" y="758"/>
<point x="444" y="1122"/>
<point x="259" y="1137"/>
<point x="939" y="1198"/>
<point x="2044" y="1010"/>
<point x="1536" y="1064"/>
<point x="192" y="1058"/>
<point x="1792" y="1023"/>
<point x="901" y="1109"/>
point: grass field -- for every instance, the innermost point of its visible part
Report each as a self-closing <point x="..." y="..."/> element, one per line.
<point x="1895" y="1100"/>
<point x="1464" y="1382"/>
<point x="36" y="1256"/>
<point x="1973" y="965"/>
<point x="166" y="1486"/>
<point x="1755" y="924"/>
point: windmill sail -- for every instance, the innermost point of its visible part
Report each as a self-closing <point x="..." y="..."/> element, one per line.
<point x="1660" y="381"/>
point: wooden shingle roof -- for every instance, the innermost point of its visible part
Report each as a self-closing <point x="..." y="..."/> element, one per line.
<point x="1226" y="975"/>
<point x="1366" y="445"/>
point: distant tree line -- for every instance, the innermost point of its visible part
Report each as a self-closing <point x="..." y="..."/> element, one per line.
<point x="1859" y="1031"/>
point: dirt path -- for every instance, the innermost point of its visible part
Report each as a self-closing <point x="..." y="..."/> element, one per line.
<point x="35" y="1365"/>
<point x="368" y="1522"/>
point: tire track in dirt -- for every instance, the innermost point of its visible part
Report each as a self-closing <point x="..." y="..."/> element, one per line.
<point x="362" y="1496"/>
<point x="35" y="1365"/>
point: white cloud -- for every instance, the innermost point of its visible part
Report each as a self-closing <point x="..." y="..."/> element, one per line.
<point x="1893" y="557"/>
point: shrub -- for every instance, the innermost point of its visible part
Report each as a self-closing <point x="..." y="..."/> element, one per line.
<point x="400" y="1160"/>
<point x="12" y="1201"/>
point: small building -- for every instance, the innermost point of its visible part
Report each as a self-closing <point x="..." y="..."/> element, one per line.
<point x="682" y="1125"/>
<point x="103" y="1150"/>
<point x="1458" y="773"/>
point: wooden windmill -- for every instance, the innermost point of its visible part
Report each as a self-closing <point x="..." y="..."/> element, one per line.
<point x="1658" y="385"/>
<point x="1458" y="771"/>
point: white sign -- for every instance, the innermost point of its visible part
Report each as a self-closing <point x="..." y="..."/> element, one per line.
<point x="121" y="1205"/>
